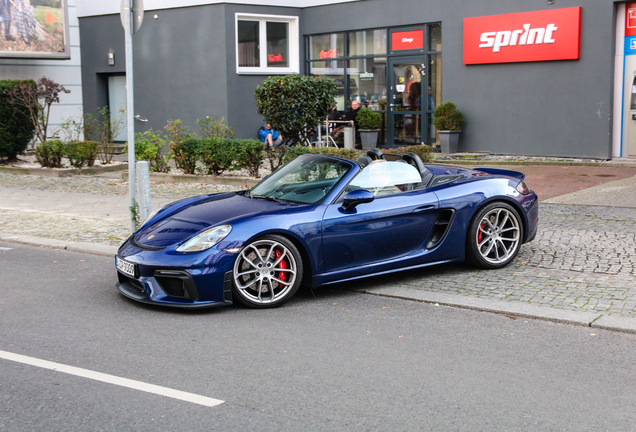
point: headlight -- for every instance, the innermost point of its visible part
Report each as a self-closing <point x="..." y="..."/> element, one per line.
<point x="206" y="239"/>
<point x="522" y="188"/>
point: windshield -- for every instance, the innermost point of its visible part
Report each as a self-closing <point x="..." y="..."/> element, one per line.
<point x="305" y="180"/>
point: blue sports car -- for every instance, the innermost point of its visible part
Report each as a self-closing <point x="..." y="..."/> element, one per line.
<point x="319" y="220"/>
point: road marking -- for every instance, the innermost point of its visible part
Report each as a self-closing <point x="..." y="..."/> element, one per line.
<point x="111" y="379"/>
<point x="5" y="249"/>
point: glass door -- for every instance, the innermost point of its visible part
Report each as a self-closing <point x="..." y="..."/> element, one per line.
<point x="406" y="112"/>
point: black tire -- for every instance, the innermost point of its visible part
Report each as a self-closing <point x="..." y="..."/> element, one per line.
<point x="267" y="272"/>
<point x="494" y="236"/>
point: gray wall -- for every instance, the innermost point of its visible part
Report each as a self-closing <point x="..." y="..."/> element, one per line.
<point x="185" y="68"/>
<point x="558" y="108"/>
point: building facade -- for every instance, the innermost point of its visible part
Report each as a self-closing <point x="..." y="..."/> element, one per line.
<point x="539" y="77"/>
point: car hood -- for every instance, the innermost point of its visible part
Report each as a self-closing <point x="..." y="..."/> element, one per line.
<point x="208" y="211"/>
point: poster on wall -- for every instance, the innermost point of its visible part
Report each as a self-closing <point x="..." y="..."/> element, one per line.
<point x="34" y="29"/>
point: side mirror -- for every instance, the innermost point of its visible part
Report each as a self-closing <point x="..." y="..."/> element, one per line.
<point x="356" y="197"/>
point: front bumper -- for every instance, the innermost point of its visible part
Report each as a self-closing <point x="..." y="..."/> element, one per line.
<point x="165" y="277"/>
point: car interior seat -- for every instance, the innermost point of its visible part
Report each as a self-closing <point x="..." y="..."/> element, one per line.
<point x="375" y="154"/>
<point x="414" y="160"/>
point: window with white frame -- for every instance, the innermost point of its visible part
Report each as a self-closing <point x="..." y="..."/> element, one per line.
<point x="266" y="44"/>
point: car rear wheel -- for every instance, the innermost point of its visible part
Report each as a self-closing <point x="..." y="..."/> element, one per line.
<point x="267" y="272"/>
<point x="494" y="236"/>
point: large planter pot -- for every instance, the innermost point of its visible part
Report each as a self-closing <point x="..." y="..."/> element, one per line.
<point x="369" y="138"/>
<point x="448" y="140"/>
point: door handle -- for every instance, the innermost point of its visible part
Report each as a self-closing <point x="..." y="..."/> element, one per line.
<point x="633" y="116"/>
<point x="424" y="208"/>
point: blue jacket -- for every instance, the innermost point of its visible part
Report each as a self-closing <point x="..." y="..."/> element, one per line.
<point x="262" y="132"/>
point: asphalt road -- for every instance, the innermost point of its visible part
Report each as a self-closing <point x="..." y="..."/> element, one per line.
<point x="331" y="360"/>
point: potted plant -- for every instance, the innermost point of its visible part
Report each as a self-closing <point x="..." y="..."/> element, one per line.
<point x="448" y="122"/>
<point x="369" y="123"/>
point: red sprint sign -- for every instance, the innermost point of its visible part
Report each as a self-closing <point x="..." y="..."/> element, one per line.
<point x="553" y="34"/>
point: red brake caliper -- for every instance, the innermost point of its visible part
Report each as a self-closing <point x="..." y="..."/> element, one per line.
<point x="480" y="235"/>
<point x="283" y="264"/>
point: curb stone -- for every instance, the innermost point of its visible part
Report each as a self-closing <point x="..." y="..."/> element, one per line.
<point x="585" y="319"/>
<point x="83" y="247"/>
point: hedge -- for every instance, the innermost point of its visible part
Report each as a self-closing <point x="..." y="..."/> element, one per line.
<point x="16" y="130"/>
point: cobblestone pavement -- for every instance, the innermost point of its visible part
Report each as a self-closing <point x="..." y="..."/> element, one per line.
<point x="583" y="258"/>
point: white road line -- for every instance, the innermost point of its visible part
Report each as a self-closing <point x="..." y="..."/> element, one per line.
<point x="5" y="249"/>
<point x="111" y="379"/>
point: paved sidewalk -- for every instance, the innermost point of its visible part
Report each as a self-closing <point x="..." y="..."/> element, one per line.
<point x="580" y="269"/>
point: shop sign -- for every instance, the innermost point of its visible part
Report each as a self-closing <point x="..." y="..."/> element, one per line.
<point x="630" y="19"/>
<point x="407" y="40"/>
<point x="553" y="34"/>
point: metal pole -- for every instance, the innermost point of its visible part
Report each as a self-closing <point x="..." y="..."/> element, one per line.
<point x="143" y="184"/>
<point x="130" y="111"/>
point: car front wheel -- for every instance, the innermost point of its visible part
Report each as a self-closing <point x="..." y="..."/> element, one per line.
<point x="267" y="272"/>
<point x="494" y="236"/>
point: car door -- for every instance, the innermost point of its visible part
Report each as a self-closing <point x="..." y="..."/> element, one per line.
<point x="394" y="225"/>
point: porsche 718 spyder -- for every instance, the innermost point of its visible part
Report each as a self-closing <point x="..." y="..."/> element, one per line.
<point x="319" y="220"/>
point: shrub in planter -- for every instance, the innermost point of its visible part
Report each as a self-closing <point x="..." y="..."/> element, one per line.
<point x="186" y="153"/>
<point x="217" y="155"/>
<point x="16" y="130"/>
<point x="149" y="147"/>
<point x="368" y="119"/>
<point x="248" y="154"/>
<point x="448" y="117"/>
<point x="49" y="154"/>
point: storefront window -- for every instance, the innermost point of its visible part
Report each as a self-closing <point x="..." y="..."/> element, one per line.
<point x="435" y="37"/>
<point x="401" y="82"/>
<point x="333" y="70"/>
<point x="369" y="42"/>
<point x="266" y="44"/>
<point x="326" y="46"/>
<point x="434" y="91"/>
<point x="367" y="82"/>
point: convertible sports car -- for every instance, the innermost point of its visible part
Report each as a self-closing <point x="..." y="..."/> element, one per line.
<point x="319" y="220"/>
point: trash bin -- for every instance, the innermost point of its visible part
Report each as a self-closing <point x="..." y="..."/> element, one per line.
<point x="349" y="137"/>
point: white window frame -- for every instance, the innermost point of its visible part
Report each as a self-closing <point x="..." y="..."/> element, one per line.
<point x="294" y="49"/>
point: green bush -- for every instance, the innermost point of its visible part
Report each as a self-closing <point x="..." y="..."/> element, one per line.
<point x="149" y="147"/>
<point x="448" y="117"/>
<point x="217" y="155"/>
<point x="249" y="155"/>
<point x="81" y="153"/>
<point x="423" y="151"/>
<point x="184" y="158"/>
<point x="49" y="154"/>
<point x="16" y="130"/>
<point x="294" y="104"/>
<point x="368" y="119"/>
<point x="186" y="153"/>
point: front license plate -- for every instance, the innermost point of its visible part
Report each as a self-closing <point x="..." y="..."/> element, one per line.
<point x="125" y="267"/>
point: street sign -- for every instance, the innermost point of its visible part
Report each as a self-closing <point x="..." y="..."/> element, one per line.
<point x="137" y="13"/>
